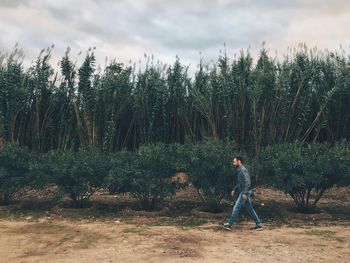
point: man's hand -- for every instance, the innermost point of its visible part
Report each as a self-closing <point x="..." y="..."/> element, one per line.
<point x="233" y="193"/>
<point x="244" y="197"/>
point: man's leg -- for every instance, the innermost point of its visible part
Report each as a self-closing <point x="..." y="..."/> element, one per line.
<point x="251" y="210"/>
<point x="235" y="210"/>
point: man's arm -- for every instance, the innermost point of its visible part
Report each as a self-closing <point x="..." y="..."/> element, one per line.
<point x="234" y="190"/>
<point x="246" y="181"/>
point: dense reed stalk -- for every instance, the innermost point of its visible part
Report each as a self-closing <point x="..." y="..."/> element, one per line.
<point x="255" y="102"/>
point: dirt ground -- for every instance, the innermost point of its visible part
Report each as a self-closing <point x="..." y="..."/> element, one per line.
<point x="134" y="236"/>
<point x="120" y="242"/>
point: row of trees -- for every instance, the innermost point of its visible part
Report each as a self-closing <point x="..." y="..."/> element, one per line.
<point x="304" y="172"/>
<point x="303" y="97"/>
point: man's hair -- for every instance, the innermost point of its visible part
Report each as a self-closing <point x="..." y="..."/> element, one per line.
<point x="239" y="158"/>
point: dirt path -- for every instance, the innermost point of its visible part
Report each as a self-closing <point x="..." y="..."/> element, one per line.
<point x="114" y="241"/>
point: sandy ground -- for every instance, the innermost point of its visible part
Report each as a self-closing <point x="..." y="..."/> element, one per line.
<point x="117" y="241"/>
<point x="33" y="230"/>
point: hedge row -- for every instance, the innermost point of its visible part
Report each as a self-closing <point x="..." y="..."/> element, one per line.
<point x="302" y="171"/>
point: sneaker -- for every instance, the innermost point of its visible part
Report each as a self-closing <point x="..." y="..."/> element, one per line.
<point x="257" y="228"/>
<point x="227" y="226"/>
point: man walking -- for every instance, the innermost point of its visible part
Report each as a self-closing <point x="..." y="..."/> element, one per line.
<point x="243" y="188"/>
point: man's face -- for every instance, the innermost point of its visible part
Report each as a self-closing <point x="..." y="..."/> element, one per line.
<point x="236" y="162"/>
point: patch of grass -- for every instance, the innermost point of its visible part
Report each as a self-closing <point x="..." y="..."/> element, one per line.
<point x="19" y="210"/>
<point x="326" y="234"/>
<point x="89" y="239"/>
<point x="321" y="233"/>
<point x="6" y="215"/>
<point x="47" y="228"/>
<point x="218" y="229"/>
<point x="42" y="228"/>
<point x="340" y="247"/>
<point x="140" y="231"/>
<point x="133" y="230"/>
<point x="339" y="211"/>
<point x="183" y="222"/>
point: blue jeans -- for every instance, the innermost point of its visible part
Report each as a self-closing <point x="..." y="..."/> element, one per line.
<point x="237" y="208"/>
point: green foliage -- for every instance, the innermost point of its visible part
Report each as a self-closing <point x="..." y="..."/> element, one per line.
<point x="123" y="167"/>
<point x="178" y="84"/>
<point x="15" y="173"/>
<point x="305" y="172"/>
<point x="211" y="172"/>
<point x="114" y="115"/>
<point x="342" y="151"/>
<point x="78" y="174"/>
<point x="146" y="174"/>
<point x="13" y="97"/>
<point x="254" y="102"/>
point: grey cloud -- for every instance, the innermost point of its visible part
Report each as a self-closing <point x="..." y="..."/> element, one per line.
<point x="62" y="14"/>
<point x="184" y="28"/>
<point x="13" y="3"/>
<point x="195" y="32"/>
<point x="169" y="27"/>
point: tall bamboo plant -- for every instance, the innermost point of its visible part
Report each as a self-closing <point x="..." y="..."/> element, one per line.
<point x="302" y="97"/>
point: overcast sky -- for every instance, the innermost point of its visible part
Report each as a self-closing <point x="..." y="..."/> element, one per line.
<point x="127" y="29"/>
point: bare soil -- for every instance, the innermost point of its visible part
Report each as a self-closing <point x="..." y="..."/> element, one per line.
<point x="110" y="231"/>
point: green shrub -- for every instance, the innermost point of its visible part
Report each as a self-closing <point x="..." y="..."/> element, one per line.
<point x="211" y="171"/>
<point x="342" y="150"/>
<point x="123" y="167"/>
<point x="78" y="174"/>
<point x="145" y="174"/>
<point x="304" y="172"/>
<point x="14" y="170"/>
